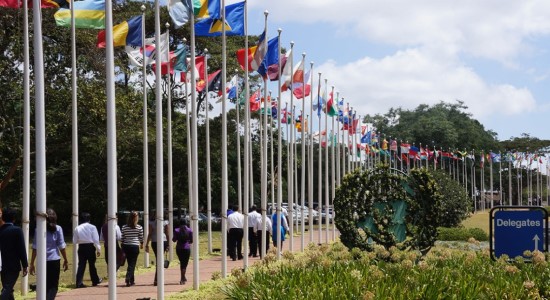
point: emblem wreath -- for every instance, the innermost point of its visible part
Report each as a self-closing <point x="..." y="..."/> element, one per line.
<point x="387" y="207"/>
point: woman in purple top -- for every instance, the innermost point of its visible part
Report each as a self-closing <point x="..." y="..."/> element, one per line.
<point x="183" y="235"/>
<point x="55" y="245"/>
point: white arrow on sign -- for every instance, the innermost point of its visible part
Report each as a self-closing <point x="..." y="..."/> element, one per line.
<point x="536" y="239"/>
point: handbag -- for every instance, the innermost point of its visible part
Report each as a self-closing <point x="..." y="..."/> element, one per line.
<point x="120" y="256"/>
<point x="166" y="261"/>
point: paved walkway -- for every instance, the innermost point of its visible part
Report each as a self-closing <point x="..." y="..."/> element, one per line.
<point x="144" y="288"/>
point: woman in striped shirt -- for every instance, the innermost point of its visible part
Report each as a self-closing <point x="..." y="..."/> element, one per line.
<point x="132" y="241"/>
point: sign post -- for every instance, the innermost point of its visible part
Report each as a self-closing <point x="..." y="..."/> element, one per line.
<point x="516" y="229"/>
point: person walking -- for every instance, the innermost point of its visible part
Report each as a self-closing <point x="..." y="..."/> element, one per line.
<point x="183" y="235"/>
<point x="253" y="218"/>
<point x="258" y="229"/>
<point x="235" y="223"/>
<point x="104" y="236"/>
<point x="87" y="238"/>
<point x="283" y="228"/>
<point x="152" y="237"/>
<point x="13" y="251"/>
<point x="55" y="245"/>
<point x="132" y="241"/>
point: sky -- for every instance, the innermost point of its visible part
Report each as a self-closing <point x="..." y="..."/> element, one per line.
<point x="493" y="55"/>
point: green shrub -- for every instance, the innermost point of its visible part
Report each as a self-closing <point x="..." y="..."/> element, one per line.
<point x="442" y="274"/>
<point x="461" y="234"/>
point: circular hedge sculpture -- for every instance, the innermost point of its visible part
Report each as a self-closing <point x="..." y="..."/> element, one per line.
<point x="386" y="207"/>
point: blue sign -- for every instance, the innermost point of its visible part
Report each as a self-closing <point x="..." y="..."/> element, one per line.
<point x="516" y="231"/>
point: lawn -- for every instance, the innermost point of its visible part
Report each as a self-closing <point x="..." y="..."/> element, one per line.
<point x="478" y="220"/>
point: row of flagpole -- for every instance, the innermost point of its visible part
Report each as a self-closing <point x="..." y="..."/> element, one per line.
<point x="247" y="193"/>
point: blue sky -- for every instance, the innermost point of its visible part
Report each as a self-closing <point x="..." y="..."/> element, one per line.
<point x="493" y="55"/>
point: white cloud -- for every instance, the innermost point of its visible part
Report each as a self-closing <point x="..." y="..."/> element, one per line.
<point x="410" y="77"/>
<point x="492" y="29"/>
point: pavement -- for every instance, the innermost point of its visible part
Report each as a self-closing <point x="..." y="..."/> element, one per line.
<point x="144" y="288"/>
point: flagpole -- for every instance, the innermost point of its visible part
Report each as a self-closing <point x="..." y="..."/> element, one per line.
<point x="26" y="140"/>
<point x="225" y="182"/>
<point x="159" y="153"/>
<point x="239" y="164"/>
<point x="194" y="169"/>
<point x="40" y="145"/>
<point x="267" y="103"/>
<point x="264" y="161"/>
<point x="189" y="152"/>
<point x="208" y="175"/>
<point x="290" y="170"/>
<point x="310" y="162"/>
<point x="169" y="158"/>
<point x="500" y="179"/>
<point x="246" y="147"/>
<point x="332" y="165"/>
<point x="319" y="163"/>
<point x="279" y="162"/>
<point x="510" y="180"/>
<point x="145" y="143"/>
<point x="74" y="137"/>
<point x="111" y="145"/>
<point x="326" y="168"/>
<point x="303" y="177"/>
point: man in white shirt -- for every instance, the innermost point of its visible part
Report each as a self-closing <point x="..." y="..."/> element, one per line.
<point x="235" y="223"/>
<point x="87" y="238"/>
<point x="253" y="218"/>
<point x="258" y="229"/>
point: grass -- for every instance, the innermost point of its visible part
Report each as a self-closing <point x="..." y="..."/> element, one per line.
<point x="478" y="220"/>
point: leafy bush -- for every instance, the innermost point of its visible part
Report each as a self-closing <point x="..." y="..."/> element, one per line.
<point x="455" y="205"/>
<point x="461" y="234"/>
<point x="333" y="272"/>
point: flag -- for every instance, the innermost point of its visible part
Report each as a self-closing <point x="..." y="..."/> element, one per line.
<point x="298" y="88"/>
<point x="213" y="80"/>
<point x="137" y="55"/>
<point x="384" y="144"/>
<point x="274" y="109"/>
<point x="181" y="58"/>
<point x="393" y="145"/>
<point x="273" y="70"/>
<point x="49" y="3"/>
<point x="234" y="22"/>
<point x="353" y="126"/>
<point x="255" y="100"/>
<point x="10" y="3"/>
<point x="271" y="59"/>
<point x="286" y="72"/>
<point x="231" y="88"/>
<point x="259" y="53"/>
<point x="43" y="4"/>
<point x="164" y="65"/>
<point x="125" y="33"/>
<point x="405" y="148"/>
<point x="199" y="70"/>
<point x="87" y="14"/>
<point x="241" y="57"/>
<point x="206" y="9"/>
<point x="366" y="138"/>
<point x="164" y="45"/>
<point x="179" y="11"/>
<point x="330" y="111"/>
<point x="292" y="75"/>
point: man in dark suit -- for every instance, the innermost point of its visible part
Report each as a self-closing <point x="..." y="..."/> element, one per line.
<point x="13" y="251"/>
